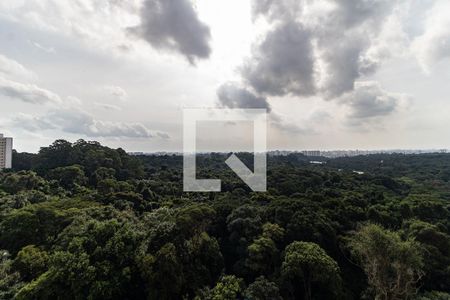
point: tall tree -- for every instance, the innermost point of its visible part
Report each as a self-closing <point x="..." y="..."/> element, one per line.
<point x="309" y="263"/>
<point x="393" y="266"/>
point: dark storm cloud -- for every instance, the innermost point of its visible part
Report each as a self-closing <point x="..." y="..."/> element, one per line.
<point x="343" y="39"/>
<point x="350" y="13"/>
<point x="368" y="100"/>
<point x="174" y="25"/>
<point x="232" y="96"/>
<point x="342" y="32"/>
<point x="342" y="62"/>
<point x="317" y="48"/>
<point x="283" y="63"/>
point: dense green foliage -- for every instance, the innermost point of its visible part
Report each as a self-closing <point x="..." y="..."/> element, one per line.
<point x="83" y="221"/>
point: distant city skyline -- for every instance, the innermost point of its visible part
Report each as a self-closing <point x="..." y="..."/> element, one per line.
<point x="307" y="152"/>
<point x="318" y="153"/>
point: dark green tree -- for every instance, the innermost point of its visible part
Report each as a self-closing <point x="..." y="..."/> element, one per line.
<point x="308" y="263"/>
<point x="163" y="273"/>
<point x="31" y="262"/>
<point x="69" y="177"/>
<point x="229" y="287"/>
<point x="262" y="289"/>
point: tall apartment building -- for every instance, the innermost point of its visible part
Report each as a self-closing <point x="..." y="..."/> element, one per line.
<point x="6" y="145"/>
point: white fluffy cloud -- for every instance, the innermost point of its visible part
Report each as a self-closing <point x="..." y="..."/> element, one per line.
<point x="29" y="93"/>
<point x="30" y="123"/>
<point x="46" y="49"/>
<point x="433" y="45"/>
<point x="107" y="106"/>
<point x="172" y="26"/>
<point x="276" y="9"/>
<point x="306" y="125"/>
<point x="99" y="24"/>
<point x="77" y="121"/>
<point x="11" y="68"/>
<point x="116" y="91"/>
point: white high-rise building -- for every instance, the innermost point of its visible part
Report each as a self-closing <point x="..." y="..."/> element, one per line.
<point x="6" y="145"/>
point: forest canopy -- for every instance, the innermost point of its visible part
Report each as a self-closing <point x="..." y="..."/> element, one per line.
<point x="84" y="221"/>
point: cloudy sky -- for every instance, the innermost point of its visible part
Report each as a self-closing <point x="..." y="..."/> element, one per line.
<point x="334" y="74"/>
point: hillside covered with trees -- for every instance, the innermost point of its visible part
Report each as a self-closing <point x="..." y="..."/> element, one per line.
<point x="83" y="221"/>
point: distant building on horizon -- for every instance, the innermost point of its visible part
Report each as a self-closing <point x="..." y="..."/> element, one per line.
<point x="315" y="153"/>
<point x="6" y="145"/>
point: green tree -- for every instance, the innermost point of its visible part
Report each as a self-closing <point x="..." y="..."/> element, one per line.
<point x="58" y="154"/>
<point x="69" y="177"/>
<point x="163" y="273"/>
<point x="22" y="181"/>
<point x="204" y="262"/>
<point x="31" y="262"/>
<point x="244" y="225"/>
<point x="194" y="219"/>
<point x="37" y="224"/>
<point x="309" y="263"/>
<point x="9" y="278"/>
<point x="229" y="287"/>
<point x="94" y="260"/>
<point x="433" y="295"/>
<point x="436" y="254"/>
<point x="273" y="231"/>
<point x="262" y="289"/>
<point x="393" y="266"/>
<point x="103" y="173"/>
<point x="263" y="254"/>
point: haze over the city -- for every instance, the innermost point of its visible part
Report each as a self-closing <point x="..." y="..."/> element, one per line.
<point x="332" y="74"/>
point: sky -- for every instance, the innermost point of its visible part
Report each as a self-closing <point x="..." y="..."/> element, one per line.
<point x="333" y="74"/>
